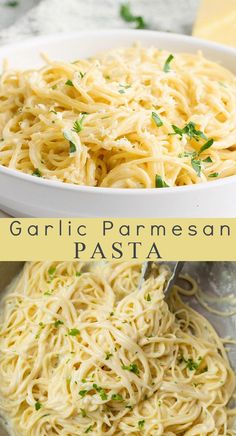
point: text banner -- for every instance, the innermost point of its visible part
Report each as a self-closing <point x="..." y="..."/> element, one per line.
<point x="117" y="239"/>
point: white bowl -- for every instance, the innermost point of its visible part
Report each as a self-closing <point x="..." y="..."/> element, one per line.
<point x="24" y="195"/>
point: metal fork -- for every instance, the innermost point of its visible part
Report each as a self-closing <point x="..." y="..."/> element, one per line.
<point x="147" y="270"/>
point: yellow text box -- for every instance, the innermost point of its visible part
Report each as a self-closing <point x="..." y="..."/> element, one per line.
<point x="117" y="239"/>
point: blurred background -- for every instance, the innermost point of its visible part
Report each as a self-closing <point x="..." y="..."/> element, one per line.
<point x="23" y="18"/>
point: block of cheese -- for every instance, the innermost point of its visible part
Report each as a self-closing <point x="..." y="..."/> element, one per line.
<point x="216" y="21"/>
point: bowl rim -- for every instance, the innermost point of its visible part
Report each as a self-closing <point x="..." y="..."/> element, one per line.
<point x="57" y="37"/>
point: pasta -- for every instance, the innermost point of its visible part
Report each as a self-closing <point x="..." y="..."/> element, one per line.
<point x="83" y="350"/>
<point x="130" y="118"/>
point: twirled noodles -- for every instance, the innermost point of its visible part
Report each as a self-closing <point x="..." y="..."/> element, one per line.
<point x="130" y="118"/>
<point x="84" y="351"/>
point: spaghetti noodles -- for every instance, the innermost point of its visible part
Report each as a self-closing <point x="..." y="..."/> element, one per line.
<point x="130" y="118"/>
<point x="83" y="351"/>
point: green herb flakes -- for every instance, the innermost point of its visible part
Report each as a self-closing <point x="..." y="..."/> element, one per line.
<point x="83" y="413"/>
<point x="82" y="393"/>
<point x="205" y="146"/>
<point x="157" y="120"/>
<point x="166" y="67"/>
<point x="69" y="83"/>
<point x="74" y="332"/>
<point x="189" y="130"/>
<point x="117" y="397"/>
<point x="38" y="405"/>
<point x="11" y="3"/>
<point x="72" y="142"/>
<point x="128" y="16"/>
<point x="132" y="368"/>
<point x="196" y="164"/>
<point x="108" y="356"/>
<point x="191" y="365"/>
<point x="101" y="391"/>
<point x="213" y="175"/>
<point x="52" y="270"/>
<point x="141" y="424"/>
<point x="77" y="126"/>
<point x="208" y="160"/>
<point x="90" y="428"/>
<point x="57" y="323"/>
<point x="78" y="273"/>
<point x="37" y="173"/>
<point x="160" y="183"/>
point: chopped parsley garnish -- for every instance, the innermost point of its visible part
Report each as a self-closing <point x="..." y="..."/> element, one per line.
<point x="128" y="406"/>
<point x="48" y="293"/>
<point x="77" y="126"/>
<point x="89" y="429"/>
<point x="11" y="3"/>
<point x="37" y="173"/>
<point x="208" y="160"/>
<point x="127" y="16"/>
<point x="81" y="74"/>
<point x="166" y="67"/>
<point x="54" y="86"/>
<point x="83" y="393"/>
<point x="190" y="363"/>
<point x="78" y="273"/>
<point x="141" y="424"/>
<point x="212" y="175"/>
<point x="108" y="355"/>
<point x="52" y="270"/>
<point x="189" y="130"/>
<point x="157" y="119"/>
<point x="205" y="146"/>
<point x="101" y="391"/>
<point x="117" y="397"/>
<point x="72" y="147"/>
<point x="57" y="323"/>
<point x="69" y="136"/>
<point x="148" y="297"/>
<point x="83" y="413"/>
<point x="121" y="91"/>
<point x="69" y="83"/>
<point x="160" y="183"/>
<point x="38" y="405"/>
<point x="74" y="332"/>
<point x="132" y="368"/>
<point x="196" y="164"/>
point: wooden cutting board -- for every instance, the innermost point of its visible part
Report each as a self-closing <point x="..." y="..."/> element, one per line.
<point x="216" y="21"/>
